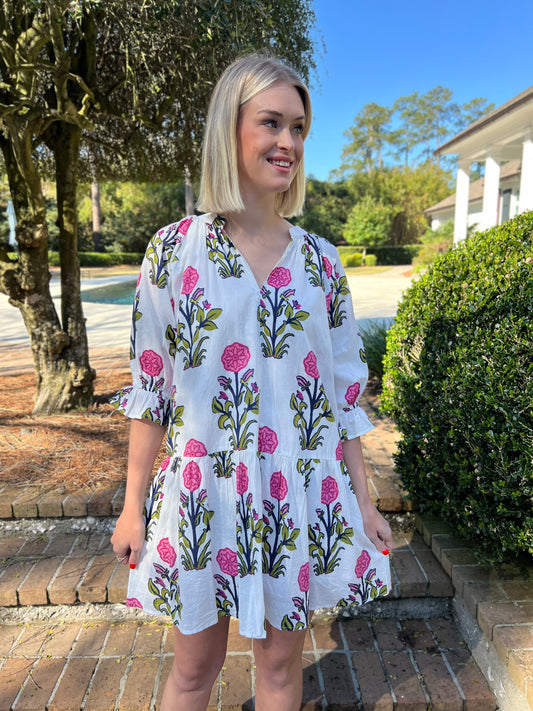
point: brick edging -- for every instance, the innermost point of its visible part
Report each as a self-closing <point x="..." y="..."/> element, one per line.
<point x="495" y="614"/>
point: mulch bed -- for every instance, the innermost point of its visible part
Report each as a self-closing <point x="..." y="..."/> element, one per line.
<point x="71" y="451"/>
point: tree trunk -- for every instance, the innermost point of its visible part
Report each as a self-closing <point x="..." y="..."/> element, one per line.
<point x="95" y="200"/>
<point x="62" y="382"/>
<point x="189" y="195"/>
<point x="77" y="390"/>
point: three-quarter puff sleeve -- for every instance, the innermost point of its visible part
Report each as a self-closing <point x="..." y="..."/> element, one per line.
<point x="152" y="344"/>
<point x="351" y="370"/>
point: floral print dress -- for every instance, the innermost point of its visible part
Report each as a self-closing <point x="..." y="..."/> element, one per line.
<point x="252" y="513"/>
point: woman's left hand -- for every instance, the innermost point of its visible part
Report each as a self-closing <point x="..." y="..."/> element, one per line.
<point x="377" y="528"/>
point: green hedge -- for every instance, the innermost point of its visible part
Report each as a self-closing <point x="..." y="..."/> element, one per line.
<point x="389" y="255"/>
<point x="100" y="259"/>
<point x="386" y="256"/>
<point x="459" y="384"/>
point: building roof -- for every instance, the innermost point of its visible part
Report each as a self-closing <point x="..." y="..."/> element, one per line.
<point x="517" y="102"/>
<point x="508" y="170"/>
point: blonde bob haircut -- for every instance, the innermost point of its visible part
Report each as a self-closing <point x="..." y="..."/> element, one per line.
<point x="219" y="187"/>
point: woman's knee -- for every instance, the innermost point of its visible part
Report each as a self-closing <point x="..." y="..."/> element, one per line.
<point x="279" y="656"/>
<point x="198" y="658"/>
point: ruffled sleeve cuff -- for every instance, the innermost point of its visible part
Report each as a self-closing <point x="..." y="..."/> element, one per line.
<point x="354" y="422"/>
<point x="139" y="404"/>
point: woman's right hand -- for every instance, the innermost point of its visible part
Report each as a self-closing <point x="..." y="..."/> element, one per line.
<point x="128" y="538"/>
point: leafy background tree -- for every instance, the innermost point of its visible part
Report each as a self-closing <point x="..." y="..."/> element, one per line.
<point x="110" y="90"/>
<point x="131" y="212"/>
<point x="389" y="173"/>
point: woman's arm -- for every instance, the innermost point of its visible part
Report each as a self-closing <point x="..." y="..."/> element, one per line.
<point x="376" y="527"/>
<point x="144" y="444"/>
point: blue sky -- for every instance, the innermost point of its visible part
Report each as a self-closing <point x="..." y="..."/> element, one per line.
<point x="381" y="51"/>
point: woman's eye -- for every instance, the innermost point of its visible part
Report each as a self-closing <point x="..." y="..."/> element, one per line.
<point x="299" y="129"/>
<point x="271" y="123"/>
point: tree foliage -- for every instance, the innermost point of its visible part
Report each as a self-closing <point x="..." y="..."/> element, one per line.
<point x="408" y="132"/>
<point x="327" y="205"/>
<point x="115" y="88"/>
<point x="131" y="212"/>
<point x="369" y="223"/>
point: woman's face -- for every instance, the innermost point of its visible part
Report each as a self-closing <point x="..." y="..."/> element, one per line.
<point x="270" y="143"/>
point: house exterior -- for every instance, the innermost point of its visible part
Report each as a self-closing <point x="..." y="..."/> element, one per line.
<point x="444" y="210"/>
<point x="503" y="140"/>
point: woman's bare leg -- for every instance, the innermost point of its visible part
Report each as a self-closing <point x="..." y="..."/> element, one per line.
<point x="198" y="659"/>
<point x="278" y="678"/>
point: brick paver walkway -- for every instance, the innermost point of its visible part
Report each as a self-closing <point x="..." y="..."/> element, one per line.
<point x="348" y="664"/>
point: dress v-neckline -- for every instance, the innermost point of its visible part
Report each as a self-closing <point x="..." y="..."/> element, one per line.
<point x="248" y="269"/>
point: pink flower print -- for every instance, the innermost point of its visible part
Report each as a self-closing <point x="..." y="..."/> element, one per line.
<point x="330" y="490"/>
<point x="352" y="393"/>
<point x="184" y="226"/>
<point x="190" y="279"/>
<point x="242" y="478"/>
<point x="247" y="375"/>
<point x="227" y="560"/>
<point x="328" y="300"/>
<point x="362" y="564"/>
<point x="267" y="440"/>
<point x="235" y="357"/>
<point x="327" y="266"/>
<point x="194" y="448"/>
<point x="279" y="277"/>
<point x="133" y="602"/>
<point x="139" y="279"/>
<point x="310" y="365"/>
<point x="278" y="486"/>
<point x="166" y="552"/>
<point x="192" y="476"/>
<point x="339" y="454"/>
<point x="151" y="363"/>
<point x="164" y="464"/>
<point x="303" y="578"/>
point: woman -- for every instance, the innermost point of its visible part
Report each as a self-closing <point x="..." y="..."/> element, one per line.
<point x="245" y="354"/>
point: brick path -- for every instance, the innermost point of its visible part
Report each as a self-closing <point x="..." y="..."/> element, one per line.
<point x="348" y="664"/>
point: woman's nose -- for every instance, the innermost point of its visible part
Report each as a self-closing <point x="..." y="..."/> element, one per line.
<point x="285" y="139"/>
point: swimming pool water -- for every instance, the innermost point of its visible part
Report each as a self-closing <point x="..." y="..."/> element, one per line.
<point x="122" y="293"/>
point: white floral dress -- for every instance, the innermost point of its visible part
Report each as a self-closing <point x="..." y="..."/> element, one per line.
<point x="252" y="514"/>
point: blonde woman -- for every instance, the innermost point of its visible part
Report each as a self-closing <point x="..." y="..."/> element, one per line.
<point x="245" y="355"/>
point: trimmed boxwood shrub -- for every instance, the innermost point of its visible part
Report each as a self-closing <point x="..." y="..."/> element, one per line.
<point x="371" y="260"/>
<point x="459" y="383"/>
<point x="355" y="259"/>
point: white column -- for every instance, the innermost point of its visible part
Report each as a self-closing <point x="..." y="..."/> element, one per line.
<point x="491" y="193"/>
<point x="525" y="200"/>
<point x="461" y="201"/>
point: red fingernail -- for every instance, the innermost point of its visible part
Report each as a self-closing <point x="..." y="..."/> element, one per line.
<point x="133" y="566"/>
<point x="385" y="551"/>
